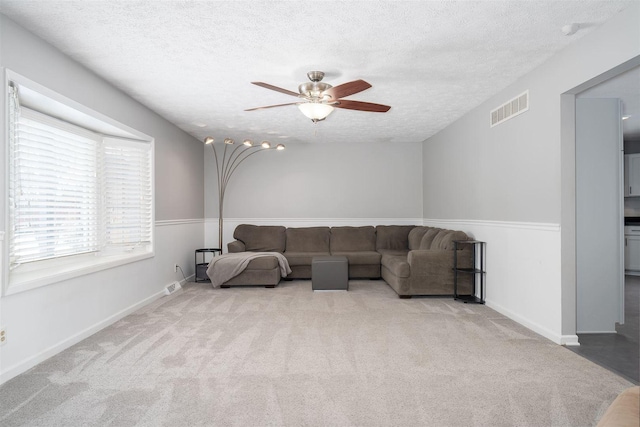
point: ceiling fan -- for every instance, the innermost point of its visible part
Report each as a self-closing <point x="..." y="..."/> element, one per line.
<point x="318" y="99"/>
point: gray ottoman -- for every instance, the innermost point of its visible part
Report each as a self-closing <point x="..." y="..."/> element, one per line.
<point x="330" y="273"/>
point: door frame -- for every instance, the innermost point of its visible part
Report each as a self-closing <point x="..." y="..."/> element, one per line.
<point x="568" y="195"/>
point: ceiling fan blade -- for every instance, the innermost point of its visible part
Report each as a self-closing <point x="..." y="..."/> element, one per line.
<point x="272" y="106"/>
<point x="361" y="106"/>
<point x="347" y="89"/>
<point x="276" y="88"/>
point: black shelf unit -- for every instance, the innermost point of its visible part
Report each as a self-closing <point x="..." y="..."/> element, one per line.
<point x="478" y="271"/>
<point x="201" y="267"/>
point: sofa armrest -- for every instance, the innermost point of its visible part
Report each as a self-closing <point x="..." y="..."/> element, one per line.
<point x="624" y="411"/>
<point x="428" y="262"/>
<point x="432" y="273"/>
<point x="236" y="246"/>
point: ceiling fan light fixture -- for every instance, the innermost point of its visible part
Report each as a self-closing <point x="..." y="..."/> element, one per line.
<point x="315" y="110"/>
<point x="320" y="98"/>
<point x="313" y="90"/>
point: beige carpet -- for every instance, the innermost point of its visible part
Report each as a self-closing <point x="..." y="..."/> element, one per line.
<point x="289" y="356"/>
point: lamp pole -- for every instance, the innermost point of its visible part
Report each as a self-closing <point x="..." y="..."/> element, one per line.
<point x="226" y="166"/>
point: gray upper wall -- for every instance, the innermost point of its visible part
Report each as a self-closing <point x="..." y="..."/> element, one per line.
<point x="179" y="170"/>
<point x="311" y="181"/>
<point x="512" y="172"/>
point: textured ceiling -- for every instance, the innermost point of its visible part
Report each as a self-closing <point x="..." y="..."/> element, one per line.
<point x="193" y="61"/>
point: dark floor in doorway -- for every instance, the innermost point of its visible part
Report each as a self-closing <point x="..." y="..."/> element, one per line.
<point x="620" y="353"/>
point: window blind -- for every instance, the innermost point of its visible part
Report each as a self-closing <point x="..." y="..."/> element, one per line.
<point x="74" y="192"/>
<point x="80" y="189"/>
<point x="127" y="193"/>
<point x="53" y="188"/>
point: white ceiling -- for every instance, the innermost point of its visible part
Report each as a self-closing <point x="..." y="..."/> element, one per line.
<point x="193" y="61"/>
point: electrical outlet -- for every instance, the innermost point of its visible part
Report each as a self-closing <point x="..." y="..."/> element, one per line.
<point x="175" y="268"/>
<point x="3" y="336"/>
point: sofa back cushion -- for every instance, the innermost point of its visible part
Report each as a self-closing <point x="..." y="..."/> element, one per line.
<point x="308" y="239"/>
<point x="393" y="236"/>
<point x="415" y="237"/>
<point x="428" y="237"/>
<point x="444" y="239"/>
<point x="349" y="239"/>
<point x="261" y="238"/>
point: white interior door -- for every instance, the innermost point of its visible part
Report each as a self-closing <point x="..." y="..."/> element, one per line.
<point x="599" y="215"/>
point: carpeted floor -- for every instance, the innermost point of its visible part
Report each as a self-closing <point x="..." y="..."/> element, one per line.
<point x="289" y="356"/>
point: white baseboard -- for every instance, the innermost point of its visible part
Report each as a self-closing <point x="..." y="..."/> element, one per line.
<point x="27" y="364"/>
<point x="569" y="340"/>
<point x="183" y="281"/>
<point x="540" y="330"/>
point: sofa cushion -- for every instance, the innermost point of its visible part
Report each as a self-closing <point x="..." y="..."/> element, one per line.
<point x="353" y="239"/>
<point x="308" y="239"/>
<point x="235" y="247"/>
<point x="261" y="238"/>
<point x="415" y="236"/>
<point x="303" y="258"/>
<point x="394" y="252"/>
<point x="398" y="265"/>
<point x="393" y="236"/>
<point x="428" y="237"/>
<point x="444" y="239"/>
<point x="360" y="257"/>
<point x="263" y="263"/>
<point x="435" y="242"/>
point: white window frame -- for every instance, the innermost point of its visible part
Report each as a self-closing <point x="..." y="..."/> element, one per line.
<point x="41" y="273"/>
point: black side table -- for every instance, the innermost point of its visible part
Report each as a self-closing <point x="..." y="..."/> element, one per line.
<point x="201" y="267"/>
<point x="477" y="270"/>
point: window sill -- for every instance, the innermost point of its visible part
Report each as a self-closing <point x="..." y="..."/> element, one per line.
<point x="20" y="281"/>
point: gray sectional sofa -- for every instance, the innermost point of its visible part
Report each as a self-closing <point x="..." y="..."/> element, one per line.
<point x="413" y="260"/>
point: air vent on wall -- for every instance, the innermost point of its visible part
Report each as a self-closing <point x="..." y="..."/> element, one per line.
<point x="508" y="110"/>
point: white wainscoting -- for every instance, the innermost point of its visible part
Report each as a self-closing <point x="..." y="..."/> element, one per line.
<point x="230" y="224"/>
<point x="523" y="272"/>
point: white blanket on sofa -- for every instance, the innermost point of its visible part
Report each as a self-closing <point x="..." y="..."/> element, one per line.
<point x="225" y="267"/>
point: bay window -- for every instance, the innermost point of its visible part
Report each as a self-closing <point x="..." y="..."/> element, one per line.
<point x="80" y="199"/>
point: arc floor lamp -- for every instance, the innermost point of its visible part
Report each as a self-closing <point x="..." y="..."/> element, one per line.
<point x="227" y="165"/>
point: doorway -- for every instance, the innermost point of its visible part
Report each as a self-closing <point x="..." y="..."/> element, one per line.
<point x="617" y="351"/>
